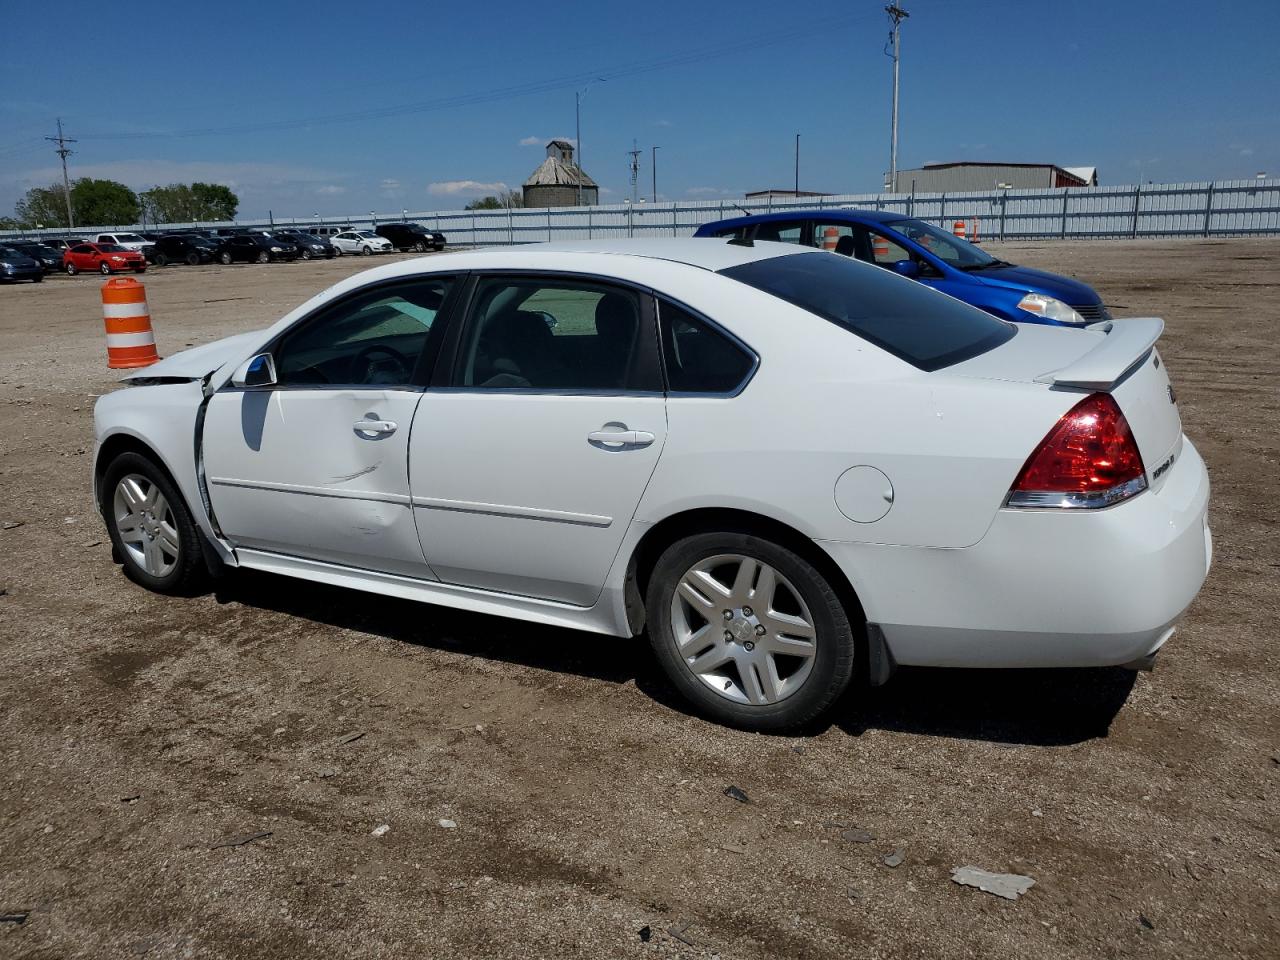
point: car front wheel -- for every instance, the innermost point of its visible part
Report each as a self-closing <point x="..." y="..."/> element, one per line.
<point x="225" y="259"/>
<point x="151" y="529"/>
<point x="749" y="631"/>
<point x="105" y="268"/>
<point x="366" y="250"/>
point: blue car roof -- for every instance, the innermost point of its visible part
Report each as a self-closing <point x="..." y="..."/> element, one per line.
<point x="829" y="214"/>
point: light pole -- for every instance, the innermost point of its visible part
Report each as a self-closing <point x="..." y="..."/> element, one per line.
<point x="896" y="16"/>
<point x="577" y="127"/>
<point x="797" y="166"/>
<point x="654" y="164"/>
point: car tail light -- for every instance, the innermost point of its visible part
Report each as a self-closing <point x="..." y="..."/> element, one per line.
<point x="1089" y="459"/>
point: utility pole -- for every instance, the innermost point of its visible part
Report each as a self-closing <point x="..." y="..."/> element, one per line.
<point x="577" y="129"/>
<point x="655" y="173"/>
<point x="896" y="16"/>
<point x="634" y="153"/>
<point x="62" y="152"/>
<point x="797" y="166"/>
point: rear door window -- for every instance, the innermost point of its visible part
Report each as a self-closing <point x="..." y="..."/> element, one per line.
<point x="925" y="328"/>
<point x="698" y="357"/>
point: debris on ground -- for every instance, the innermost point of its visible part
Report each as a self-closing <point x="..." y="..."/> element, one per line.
<point x="326" y="773"/>
<point x="1142" y="919"/>
<point x="1007" y="885"/>
<point x="241" y="841"/>
<point x="131" y="798"/>
<point x="18" y="916"/>
<point x="646" y="934"/>
<point x="11" y="524"/>
<point x="679" y="931"/>
<point x="736" y="793"/>
<point x="350" y="737"/>
<point x="856" y="835"/>
<point x="895" y="859"/>
<point x="380" y="830"/>
<point x="447" y="824"/>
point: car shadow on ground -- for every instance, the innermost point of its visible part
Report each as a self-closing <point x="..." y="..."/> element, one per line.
<point x="1014" y="707"/>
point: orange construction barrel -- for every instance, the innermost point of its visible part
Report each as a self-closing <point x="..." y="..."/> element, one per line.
<point x="130" y="339"/>
<point x="880" y="246"/>
<point x="830" y="238"/>
<point x="958" y="229"/>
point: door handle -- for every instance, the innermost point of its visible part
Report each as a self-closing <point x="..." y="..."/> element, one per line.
<point x="376" y="427"/>
<point x="617" y="439"/>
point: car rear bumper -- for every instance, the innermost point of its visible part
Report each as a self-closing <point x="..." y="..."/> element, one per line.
<point x="1045" y="588"/>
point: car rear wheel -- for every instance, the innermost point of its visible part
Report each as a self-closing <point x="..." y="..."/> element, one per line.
<point x="225" y="258"/>
<point x="337" y="250"/>
<point x="105" y="268"/>
<point x="749" y="631"/>
<point x="151" y="530"/>
<point x="160" y="260"/>
<point x="193" y="259"/>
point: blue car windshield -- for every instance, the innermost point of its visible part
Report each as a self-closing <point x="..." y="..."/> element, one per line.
<point x="927" y="329"/>
<point x="947" y="247"/>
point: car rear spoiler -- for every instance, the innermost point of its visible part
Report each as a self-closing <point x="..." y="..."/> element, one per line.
<point x="1125" y="345"/>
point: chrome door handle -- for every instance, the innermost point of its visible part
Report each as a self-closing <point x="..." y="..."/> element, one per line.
<point x="617" y="439"/>
<point x="375" y="427"/>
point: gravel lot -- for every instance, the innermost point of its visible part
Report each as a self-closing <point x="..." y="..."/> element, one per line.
<point x="138" y="733"/>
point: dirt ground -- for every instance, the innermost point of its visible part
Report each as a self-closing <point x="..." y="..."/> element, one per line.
<point x="139" y="735"/>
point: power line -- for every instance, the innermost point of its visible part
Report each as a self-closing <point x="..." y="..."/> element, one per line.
<point x="63" y="152"/>
<point x="713" y="51"/>
<point x="896" y="16"/>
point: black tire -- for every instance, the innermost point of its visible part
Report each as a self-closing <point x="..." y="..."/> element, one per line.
<point x="160" y="260"/>
<point x="38" y="278"/>
<point x="104" y="268"/>
<point x="833" y="660"/>
<point x="263" y="256"/>
<point x="193" y="259"/>
<point x="366" y="250"/>
<point x="189" y="572"/>
<point x="337" y="251"/>
<point x="71" y="269"/>
<point x="306" y="254"/>
<point x="420" y="247"/>
<point x="225" y="258"/>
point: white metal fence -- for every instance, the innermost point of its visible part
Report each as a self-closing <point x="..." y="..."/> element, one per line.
<point x="1223" y="208"/>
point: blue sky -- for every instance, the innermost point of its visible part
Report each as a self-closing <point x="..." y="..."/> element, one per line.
<point x="340" y="108"/>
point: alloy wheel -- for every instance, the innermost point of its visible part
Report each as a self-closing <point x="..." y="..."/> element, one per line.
<point x="146" y="525"/>
<point x="743" y="629"/>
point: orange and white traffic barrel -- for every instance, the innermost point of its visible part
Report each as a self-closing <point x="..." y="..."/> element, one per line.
<point x="130" y="339"/>
<point x="880" y="246"/>
<point x="973" y="232"/>
<point x="958" y="229"/>
<point x="830" y="238"/>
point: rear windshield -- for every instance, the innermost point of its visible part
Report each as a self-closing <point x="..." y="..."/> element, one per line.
<point x="927" y="329"/>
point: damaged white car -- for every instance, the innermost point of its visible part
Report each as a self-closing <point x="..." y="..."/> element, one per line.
<point x="789" y="467"/>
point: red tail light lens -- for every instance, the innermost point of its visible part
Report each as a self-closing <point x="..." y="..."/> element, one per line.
<point x="1089" y="459"/>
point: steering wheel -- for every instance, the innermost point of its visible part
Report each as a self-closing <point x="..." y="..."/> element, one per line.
<point x="363" y="365"/>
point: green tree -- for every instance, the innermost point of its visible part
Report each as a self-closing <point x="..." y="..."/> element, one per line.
<point x="485" y="203"/>
<point x="215" y="201"/>
<point x="42" y="205"/>
<point x="103" y="202"/>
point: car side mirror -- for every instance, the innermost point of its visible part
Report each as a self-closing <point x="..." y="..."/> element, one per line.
<point x="259" y="371"/>
<point x="908" y="268"/>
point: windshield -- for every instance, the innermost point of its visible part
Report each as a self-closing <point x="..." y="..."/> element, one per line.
<point x="112" y="248"/>
<point x="129" y="238"/>
<point x="945" y="246"/>
<point x="367" y="235"/>
<point x="929" y="330"/>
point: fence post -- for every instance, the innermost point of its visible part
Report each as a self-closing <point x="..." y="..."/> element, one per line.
<point x="1208" y="208"/>
<point x="1137" y="202"/>
<point x="1063" y="233"/>
<point x="1004" y="203"/>
<point x="675" y="220"/>
<point x="942" y="209"/>
<point x="473" y="228"/>
<point x="588" y="223"/>
<point x="511" y="233"/>
<point x="548" y="224"/>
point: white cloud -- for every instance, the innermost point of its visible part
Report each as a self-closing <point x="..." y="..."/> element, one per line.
<point x="464" y="188"/>
<point x="707" y="191"/>
<point x="662" y="123"/>
<point x="390" y="184"/>
<point x="330" y="190"/>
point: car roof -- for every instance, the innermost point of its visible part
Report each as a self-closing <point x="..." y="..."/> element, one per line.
<point x="708" y="253"/>
<point x="834" y="214"/>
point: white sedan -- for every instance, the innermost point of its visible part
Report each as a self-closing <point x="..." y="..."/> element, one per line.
<point x="360" y="241"/>
<point x="786" y="465"/>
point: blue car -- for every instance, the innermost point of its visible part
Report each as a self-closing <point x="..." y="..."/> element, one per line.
<point x="933" y="256"/>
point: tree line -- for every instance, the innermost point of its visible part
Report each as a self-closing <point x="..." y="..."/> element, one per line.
<point x="108" y="202"/>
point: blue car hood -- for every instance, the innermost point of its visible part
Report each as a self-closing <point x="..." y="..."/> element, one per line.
<point x="1026" y="278"/>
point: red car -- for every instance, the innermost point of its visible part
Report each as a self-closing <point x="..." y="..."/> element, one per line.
<point x="104" y="257"/>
